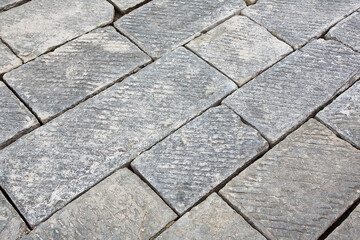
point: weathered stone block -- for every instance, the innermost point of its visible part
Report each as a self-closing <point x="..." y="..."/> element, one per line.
<point x="7" y="4"/>
<point x="349" y="229"/>
<point x="126" y="5"/>
<point x="8" y="60"/>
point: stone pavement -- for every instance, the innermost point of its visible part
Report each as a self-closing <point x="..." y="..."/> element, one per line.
<point x="175" y="119"/>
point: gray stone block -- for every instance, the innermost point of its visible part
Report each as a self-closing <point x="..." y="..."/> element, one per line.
<point x="15" y="118"/>
<point x="40" y="25"/>
<point x="283" y="97"/>
<point x="349" y="229"/>
<point x="240" y="48"/>
<point x="126" y="5"/>
<point x="189" y="163"/>
<point x="7" y="4"/>
<point x="58" y="80"/>
<point x="212" y="219"/>
<point x="49" y="167"/>
<point x="162" y="25"/>
<point x="301" y="186"/>
<point x="296" y="22"/>
<point x="8" y="60"/>
<point x="343" y="115"/>
<point x="120" y="207"/>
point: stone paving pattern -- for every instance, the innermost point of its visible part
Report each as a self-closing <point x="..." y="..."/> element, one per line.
<point x="162" y="119"/>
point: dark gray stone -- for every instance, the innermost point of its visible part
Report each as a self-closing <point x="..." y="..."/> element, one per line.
<point x="283" y="97"/>
<point x="56" y="81"/>
<point x="7" y="4"/>
<point x="8" y="60"/>
<point x="49" y="167"/>
<point x="240" y="48"/>
<point x="120" y="207"/>
<point x="349" y="229"/>
<point x="301" y="186"/>
<point x="162" y="25"/>
<point x="296" y="22"/>
<point x="188" y="164"/>
<point x="40" y="25"/>
<point x="126" y="5"/>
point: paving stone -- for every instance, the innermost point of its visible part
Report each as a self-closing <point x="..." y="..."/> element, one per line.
<point x="162" y="25"/>
<point x="301" y="186"/>
<point x="11" y="224"/>
<point x="7" y="4"/>
<point x="343" y="115"/>
<point x="283" y="97"/>
<point x="240" y="48"/>
<point x="120" y="207"/>
<point x="188" y="164"/>
<point x="211" y="219"/>
<point x="349" y="229"/>
<point x="296" y="22"/>
<point x="46" y="169"/>
<point x="126" y="5"/>
<point x="40" y="25"/>
<point x="15" y="118"/>
<point x="56" y="81"/>
<point x="347" y="31"/>
<point x="8" y="60"/>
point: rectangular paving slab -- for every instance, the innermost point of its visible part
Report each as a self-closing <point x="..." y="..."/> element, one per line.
<point x="8" y="60"/>
<point x="283" y="97"/>
<point x="189" y="163"/>
<point x="296" y="22"/>
<point x="126" y="5"/>
<point x="301" y="186"/>
<point x="40" y="25"/>
<point x="120" y="207"/>
<point x="56" y="81"/>
<point x="240" y="48"/>
<point x="349" y="229"/>
<point x="162" y="25"/>
<point x="49" y="167"/>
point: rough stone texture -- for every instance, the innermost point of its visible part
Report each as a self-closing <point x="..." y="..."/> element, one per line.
<point x="211" y="219"/>
<point x="56" y="81"/>
<point x="240" y="48"/>
<point x="349" y="229"/>
<point x="343" y="115"/>
<point x="7" y="4"/>
<point x="301" y="186"/>
<point x="15" y="118"/>
<point x="284" y="96"/>
<point x="162" y="25"/>
<point x="296" y="22"/>
<point x="11" y="224"/>
<point x="40" y="25"/>
<point x="47" y="168"/>
<point x="188" y="164"/>
<point x="120" y="207"/>
<point x="347" y="31"/>
<point x="8" y="60"/>
<point x="126" y="5"/>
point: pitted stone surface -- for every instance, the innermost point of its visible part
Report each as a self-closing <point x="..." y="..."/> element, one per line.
<point x="296" y="21"/>
<point x="347" y="31"/>
<point x="240" y="48"/>
<point x="40" y="25"/>
<point x="125" y="5"/>
<point x="349" y="229"/>
<point x="15" y="118"/>
<point x="343" y="115"/>
<point x="301" y="186"/>
<point x="283" y="97"/>
<point x="11" y="224"/>
<point x="47" y="168"/>
<point x="8" y="60"/>
<point x="120" y="207"/>
<point x="55" y="81"/>
<point x="188" y="164"/>
<point x="7" y="4"/>
<point x="162" y="25"/>
<point x="211" y="219"/>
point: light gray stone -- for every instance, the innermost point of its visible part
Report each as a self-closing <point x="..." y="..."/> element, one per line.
<point x="240" y="48"/>
<point x="296" y="22"/>
<point x="349" y="229"/>
<point x="189" y="163"/>
<point x="11" y="225"/>
<point x="56" y="81"/>
<point x="49" y="167"/>
<point x="15" y="118"/>
<point x="347" y="31"/>
<point x="40" y="25"/>
<point x="283" y="97"/>
<point x="343" y="115"/>
<point x="120" y="207"/>
<point x="162" y="25"/>
<point x="126" y="5"/>
<point x="301" y="186"/>
<point x="8" y="60"/>
<point x="7" y="4"/>
<point x="212" y="219"/>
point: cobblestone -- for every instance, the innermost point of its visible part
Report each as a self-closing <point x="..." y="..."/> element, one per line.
<point x="349" y="229"/>
<point x="7" y="4"/>
<point x="8" y="60"/>
<point x="126" y="5"/>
